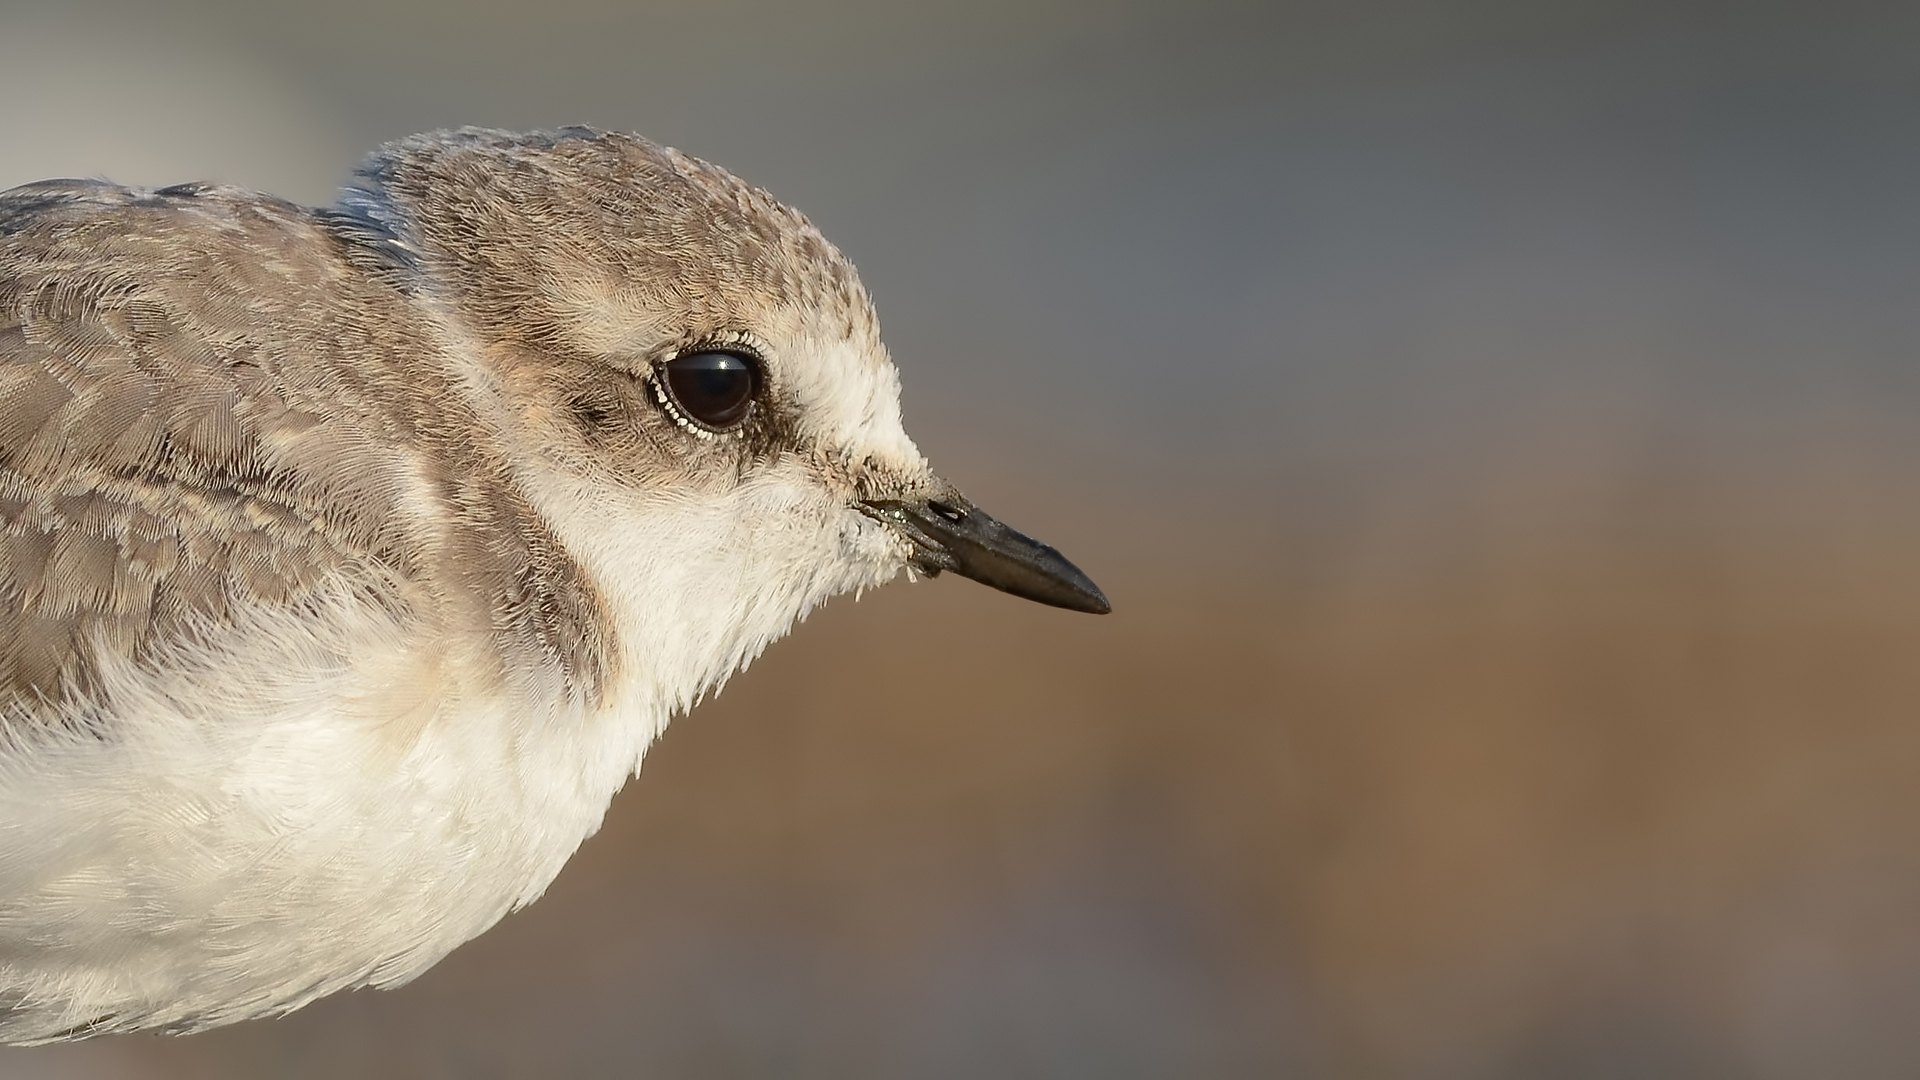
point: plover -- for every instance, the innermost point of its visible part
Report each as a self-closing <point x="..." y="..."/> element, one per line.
<point x="350" y="558"/>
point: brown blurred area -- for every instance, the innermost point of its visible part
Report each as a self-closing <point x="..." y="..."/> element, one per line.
<point x="1493" y="423"/>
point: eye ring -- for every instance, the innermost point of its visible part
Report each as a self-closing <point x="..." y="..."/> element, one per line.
<point x="710" y="390"/>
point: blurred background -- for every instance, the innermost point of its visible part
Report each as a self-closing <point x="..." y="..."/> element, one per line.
<point x="1494" y="422"/>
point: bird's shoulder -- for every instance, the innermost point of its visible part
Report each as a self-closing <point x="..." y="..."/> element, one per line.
<point x="201" y="411"/>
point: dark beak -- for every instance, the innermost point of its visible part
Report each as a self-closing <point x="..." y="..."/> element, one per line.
<point x="951" y="534"/>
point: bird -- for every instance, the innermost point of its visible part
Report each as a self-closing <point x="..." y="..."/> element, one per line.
<point x="351" y="557"/>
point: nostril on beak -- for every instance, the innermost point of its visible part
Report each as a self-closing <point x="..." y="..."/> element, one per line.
<point x="948" y="511"/>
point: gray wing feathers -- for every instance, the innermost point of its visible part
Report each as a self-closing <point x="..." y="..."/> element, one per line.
<point x="160" y="432"/>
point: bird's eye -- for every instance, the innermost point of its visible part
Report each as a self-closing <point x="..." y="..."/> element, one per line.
<point x="713" y="388"/>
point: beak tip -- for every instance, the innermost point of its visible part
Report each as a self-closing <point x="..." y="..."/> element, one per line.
<point x="1089" y="599"/>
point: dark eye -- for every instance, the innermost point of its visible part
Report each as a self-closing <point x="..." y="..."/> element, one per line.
<point x="713" y="388"/>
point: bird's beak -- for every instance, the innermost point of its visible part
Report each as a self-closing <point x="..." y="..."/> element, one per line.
<point x="949" y="533"/>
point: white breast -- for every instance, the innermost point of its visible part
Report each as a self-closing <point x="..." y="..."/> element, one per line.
<point x="305" y="805"/>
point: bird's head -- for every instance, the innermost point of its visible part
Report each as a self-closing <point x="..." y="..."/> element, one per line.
<point x="693" y="382"/>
